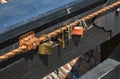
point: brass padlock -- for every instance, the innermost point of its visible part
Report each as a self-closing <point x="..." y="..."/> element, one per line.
<point x="61" y="43"/>
<point x="68" y="32"/>
<point x="61" y="39"/>
<point x="46" y="48"/>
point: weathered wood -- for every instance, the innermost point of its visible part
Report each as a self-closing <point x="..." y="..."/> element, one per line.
<point x="109" y="69"/>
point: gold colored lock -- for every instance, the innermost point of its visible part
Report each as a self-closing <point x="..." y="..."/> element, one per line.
<point x="61" y="43"/>
<point x="61" y="40"/>
<point x="68" y="33"/>
<point x="45" y="48"/>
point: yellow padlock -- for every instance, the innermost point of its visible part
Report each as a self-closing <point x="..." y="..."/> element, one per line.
<point x="45" y="48"/>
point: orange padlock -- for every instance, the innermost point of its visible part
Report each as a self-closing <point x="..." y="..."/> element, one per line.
<point x="78" y="31"/>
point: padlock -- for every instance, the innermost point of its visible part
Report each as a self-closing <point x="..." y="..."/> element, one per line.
<point x="46" y="48"/>
<point x="61" y="39"/>
<point x="68" y="32"/>
<point x="61" y="43"/>
<point x="78" y="30"/>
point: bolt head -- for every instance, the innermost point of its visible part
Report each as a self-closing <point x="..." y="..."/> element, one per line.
<point x="34" y="44"/>
<point x="118" y="9"/>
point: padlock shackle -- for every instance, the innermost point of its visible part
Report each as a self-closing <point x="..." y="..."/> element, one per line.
<point x="62" y="32"/>
<point x="79" y="23"/>
<point x="48" y="37"/>
<point x="82" y="23"/>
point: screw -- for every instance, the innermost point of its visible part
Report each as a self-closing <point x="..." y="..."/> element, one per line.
<point x="34" y="44"/>
<point x="118" y="10"/>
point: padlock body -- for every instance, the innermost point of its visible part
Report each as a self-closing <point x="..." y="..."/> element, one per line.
<point x="78" y="31"/>
<point x="61" y="43"/>
<point x="45" y="48"/>
<point x="68" y="34"/>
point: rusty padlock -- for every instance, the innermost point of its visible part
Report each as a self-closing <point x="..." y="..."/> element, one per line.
<point x="78" y="30"/>
<point x="46" y="48"/>
<point x="29" y="40"/>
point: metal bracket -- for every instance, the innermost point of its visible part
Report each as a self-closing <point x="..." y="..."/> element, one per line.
<point x="29" y="40"/>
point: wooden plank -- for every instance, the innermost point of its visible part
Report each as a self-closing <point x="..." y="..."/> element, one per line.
<point x="109" y="69"/>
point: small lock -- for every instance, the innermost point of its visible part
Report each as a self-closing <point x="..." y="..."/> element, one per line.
<point x="79" y="30"/>
<point x="46" y="48"/>
<point x="61" y="43"/>
<point x="61" y="39"/>
<point x="68" y="32"/>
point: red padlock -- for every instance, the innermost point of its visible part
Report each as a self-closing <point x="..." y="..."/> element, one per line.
<point x="78" y="31"/>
